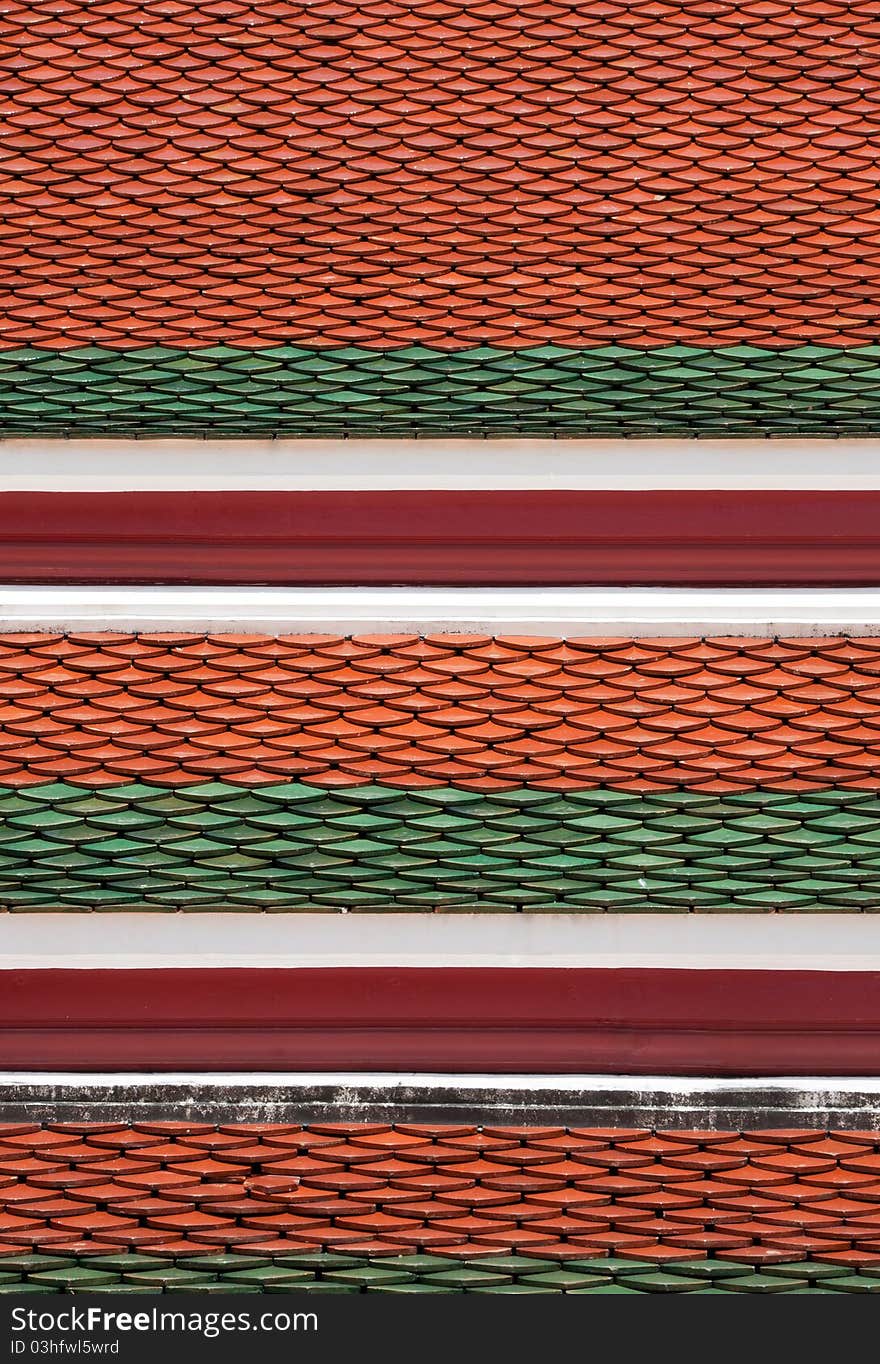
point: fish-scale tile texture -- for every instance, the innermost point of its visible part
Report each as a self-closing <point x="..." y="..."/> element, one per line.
<point x="289" y="847"/>
<point x="448" y="773"/>
<point x="167" y="1206"/>
<point x="487" y="715"/>
<point x="436" y="215"/>
<point x="413" y="391"/>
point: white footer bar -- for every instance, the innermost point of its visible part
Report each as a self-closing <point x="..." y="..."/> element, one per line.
<point x="109" y="464"/>
<point x="552" y="612"/>
<point x="757" y="942"/>
<point x="92" y="1082"/>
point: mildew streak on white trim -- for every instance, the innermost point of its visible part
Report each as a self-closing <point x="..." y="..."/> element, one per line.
<point x="584" y="1100"/>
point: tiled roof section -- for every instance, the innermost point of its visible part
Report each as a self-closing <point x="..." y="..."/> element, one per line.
<point x="438" y="173"/>
<point x="293" y="847"/>
<point x="372" y="1205"/>
<point x="449" y="772"/>
<point x="431" y="216"/>
<point x="337" y="1272"/>
<point x="485" y="715"/>
<point x="412" y="391"/>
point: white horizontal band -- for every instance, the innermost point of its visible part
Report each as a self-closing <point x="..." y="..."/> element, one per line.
<point x="757" y="942"/>
<point x="652" y="1087"/>
<point x="553" y="612"/>
<point x="101" y="464"/>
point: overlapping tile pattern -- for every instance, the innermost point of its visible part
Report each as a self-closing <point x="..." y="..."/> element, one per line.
<point x="174" y="1206"/>
<point x="372" y="848"/>
<point x="447" y="773"/>
<point x="434" y="215"/>
<point x="438" y="173"/>
<point x="413" y="391"/>
<point x="483" y="714"/>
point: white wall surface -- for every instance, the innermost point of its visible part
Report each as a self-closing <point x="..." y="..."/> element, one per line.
<point x="760" y="942"/>
<point x="522" y="462"/>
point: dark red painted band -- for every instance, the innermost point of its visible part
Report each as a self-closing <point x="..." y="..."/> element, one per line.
<point x="471" y="538"/>
<point x="603" y="1021"/>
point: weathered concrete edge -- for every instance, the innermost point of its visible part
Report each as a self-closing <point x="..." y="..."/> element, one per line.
<point x="761" y="1106"/>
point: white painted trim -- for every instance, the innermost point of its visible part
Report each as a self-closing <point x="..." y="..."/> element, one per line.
<point x="106" y="464"/>
<point x="757" y="942"/>
<point x="554" y="612"/>
<point x="651" y="1086"/>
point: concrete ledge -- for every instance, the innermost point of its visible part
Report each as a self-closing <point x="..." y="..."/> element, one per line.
<point x="586" y="1100"/>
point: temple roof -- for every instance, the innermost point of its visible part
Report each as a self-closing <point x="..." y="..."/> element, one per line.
<point x="418" y="1207"/>
<point x="438" y="216"/>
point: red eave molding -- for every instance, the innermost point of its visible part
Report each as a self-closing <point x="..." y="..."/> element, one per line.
<point x="632" y="1021"/>
<point x="707" y="538"/>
